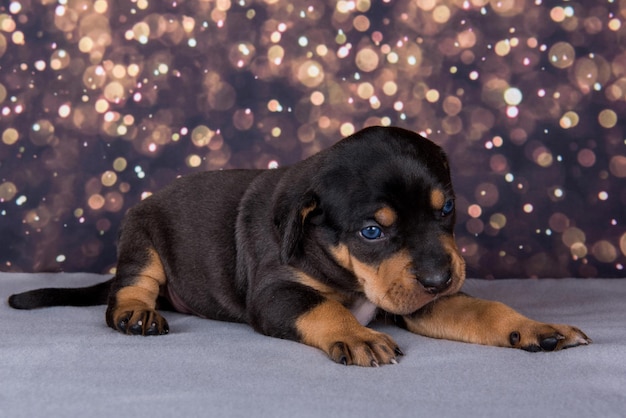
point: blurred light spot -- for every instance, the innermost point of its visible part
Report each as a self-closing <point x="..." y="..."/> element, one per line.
<point x="452" y="105"/>
<point x="432" y="95"/>
<point x="193" y="161"/>
<point x="347" y="129"/>
<point x="617" y="166"/>
<point x="502" y="48"/>
<point x="108" y="178"/>
<point x="486" y="194"/>
<point x="119" y="164"/>
<point x="367" y="60"/>
<point x="607" y="118"/>
<point x="201" y="136"/>
<point x="8" y="190"/>
<point x="10" y="136"/>
<point x="569" y="120"/>
<point x="604" y="251"/>
<point x="474" y="211"/>
<point x="559" y="222"/>
<point x="586" y="157"/>
<point x="513" y="96"/>
<point x="573" y="235"/>
<point x="497" y="221"/>
<point x="512" y="111"/>
<point x="441" y="14"/>
<point x="96" y="201"/>
<point x="561" y="55"/>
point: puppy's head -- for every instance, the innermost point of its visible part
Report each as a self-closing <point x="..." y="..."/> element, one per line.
<point x="380" y="205"/>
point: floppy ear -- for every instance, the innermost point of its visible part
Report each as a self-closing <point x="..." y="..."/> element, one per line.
<point x="290" y="217"/>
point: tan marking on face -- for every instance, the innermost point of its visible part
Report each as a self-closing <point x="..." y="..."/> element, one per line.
<point x="342" y="256"/>
<point x="457" y="264"/>
<point x="305" y="212"/>
<point x="145" y="288"/>
<point x="386" y="216"/>
<point x="437" y="199"/>
<point x="390" y="285"/>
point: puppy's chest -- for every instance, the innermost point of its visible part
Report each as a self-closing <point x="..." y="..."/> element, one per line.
<point x="363" y="310"/>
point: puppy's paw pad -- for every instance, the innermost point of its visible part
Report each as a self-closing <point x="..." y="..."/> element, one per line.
<point x="537" y="337"/>
<point x="551" y="342"/>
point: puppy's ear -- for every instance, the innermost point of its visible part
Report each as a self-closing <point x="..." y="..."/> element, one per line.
<point x="290" y="218"/>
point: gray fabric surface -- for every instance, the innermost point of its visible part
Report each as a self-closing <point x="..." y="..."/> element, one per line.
<point x="65" y="362"/>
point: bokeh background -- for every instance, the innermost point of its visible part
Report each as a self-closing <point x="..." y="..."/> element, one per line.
<point x="104" y="102"/>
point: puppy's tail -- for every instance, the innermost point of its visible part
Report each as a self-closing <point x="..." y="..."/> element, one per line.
<point x="81" y="296"/>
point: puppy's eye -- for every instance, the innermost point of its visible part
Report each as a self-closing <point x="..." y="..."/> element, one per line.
<point x="371" y="232"/>
<point x="448" y="207"/>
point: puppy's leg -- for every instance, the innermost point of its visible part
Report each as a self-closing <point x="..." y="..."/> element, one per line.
<point x="464" y="318"/>
<point x="332" y="328"/>
<point x="134" y="293"/>
<point x="300" y="313"/>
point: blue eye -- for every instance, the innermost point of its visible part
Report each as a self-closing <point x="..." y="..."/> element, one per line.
<point x="371" y="232"/>
<point x="448" y="207"/>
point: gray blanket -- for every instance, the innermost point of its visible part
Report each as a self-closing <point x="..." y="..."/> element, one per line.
<point x="65" y="362"/>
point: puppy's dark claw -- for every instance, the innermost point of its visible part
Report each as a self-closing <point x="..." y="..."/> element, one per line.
<point x="141" y="323"/>
<point x="122" y="324"/>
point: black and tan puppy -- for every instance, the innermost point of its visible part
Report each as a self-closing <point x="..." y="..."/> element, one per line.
<point x="310" y="253"/>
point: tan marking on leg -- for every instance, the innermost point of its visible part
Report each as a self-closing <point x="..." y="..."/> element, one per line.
<point x="332" y="328"/>
<point x="386" y="216"/>
<point x="146" y="286"/>
<point x="135" y="304"/>
<point x="437" y="199"/>
<point x="464" y="318"/>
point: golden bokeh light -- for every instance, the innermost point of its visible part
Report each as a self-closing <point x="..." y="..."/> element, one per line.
<point x="118" y="99"/>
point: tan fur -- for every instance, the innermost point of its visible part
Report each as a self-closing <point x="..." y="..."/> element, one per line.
<point x="326" y="290"/>
<point x="137" y="302"/>
<point x="389" y="285"/>
<point x="472" y="320"/>
<point x="305" y="212"/>
<point x="332" y="328"/>
<point x="386" y="216"/>
<point x="145" y="289"/>
<point x="458" y="263"/>
<point x="437" y="199"/>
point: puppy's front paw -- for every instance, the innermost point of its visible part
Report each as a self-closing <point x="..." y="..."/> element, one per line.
<point x="365" y="348"/>
<point x="139" y="322"/>
<point x="535" y="336"/>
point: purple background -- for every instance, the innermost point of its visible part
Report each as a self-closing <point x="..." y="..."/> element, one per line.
<point x="103" y="102"/>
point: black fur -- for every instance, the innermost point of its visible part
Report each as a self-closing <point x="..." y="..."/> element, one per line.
<point x="233" y="243"/>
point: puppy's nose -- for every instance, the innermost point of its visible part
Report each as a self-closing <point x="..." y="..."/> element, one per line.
<point x="436" y="282"/>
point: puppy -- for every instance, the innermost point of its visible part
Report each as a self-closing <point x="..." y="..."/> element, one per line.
<point x="310" y="253"/>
